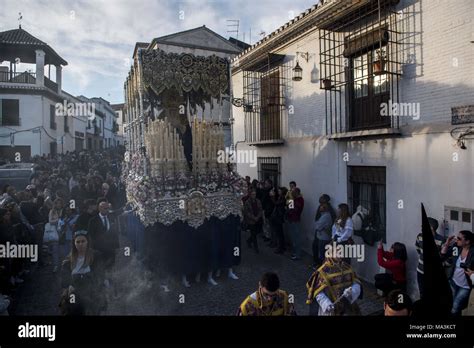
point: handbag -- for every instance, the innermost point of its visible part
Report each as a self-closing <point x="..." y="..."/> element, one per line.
<point x="50" y="233"/>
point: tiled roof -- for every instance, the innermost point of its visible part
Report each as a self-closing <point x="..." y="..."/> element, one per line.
<point x="287" y="27"/>
<point x="20" y="37"/>
<point x="170" y="38"/>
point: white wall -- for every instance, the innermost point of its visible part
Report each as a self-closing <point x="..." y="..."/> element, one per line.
<point x="419" y="165"/>
<point x="35" y="112"/>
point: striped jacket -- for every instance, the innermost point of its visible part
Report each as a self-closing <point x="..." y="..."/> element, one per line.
<point x="439" y="241"/>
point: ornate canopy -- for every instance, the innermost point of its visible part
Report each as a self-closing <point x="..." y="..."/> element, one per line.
<point x="208" y="76"/>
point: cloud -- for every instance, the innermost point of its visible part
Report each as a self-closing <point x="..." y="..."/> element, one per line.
<point x="97" y="37"/>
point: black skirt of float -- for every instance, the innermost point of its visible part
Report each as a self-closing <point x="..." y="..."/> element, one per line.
<point x="180" y="249"/>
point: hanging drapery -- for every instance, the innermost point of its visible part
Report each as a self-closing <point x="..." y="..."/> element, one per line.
<point x="205" y="76"/>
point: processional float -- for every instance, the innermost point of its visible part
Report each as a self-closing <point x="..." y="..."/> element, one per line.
<point x="188" y="202"/>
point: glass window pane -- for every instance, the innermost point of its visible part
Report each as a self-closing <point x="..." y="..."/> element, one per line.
<point x="360" y="76"/>
<point x="380" y="84"/>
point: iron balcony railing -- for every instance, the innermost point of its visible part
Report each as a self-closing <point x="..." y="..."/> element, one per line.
<point x="26" y="77"/>
<point x="18" y="77"/>
<point x="51" y="84"/>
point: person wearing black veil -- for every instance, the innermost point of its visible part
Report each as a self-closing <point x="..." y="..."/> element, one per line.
<point x="437" y="297"/>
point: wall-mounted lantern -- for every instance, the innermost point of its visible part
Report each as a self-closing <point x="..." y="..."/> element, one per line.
<point x="297" y="70"/>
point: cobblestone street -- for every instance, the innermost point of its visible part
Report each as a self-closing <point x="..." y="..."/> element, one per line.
<point x="139" y="292"/>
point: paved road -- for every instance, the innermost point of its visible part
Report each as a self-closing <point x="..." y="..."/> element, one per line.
<point x="139" y="291"/>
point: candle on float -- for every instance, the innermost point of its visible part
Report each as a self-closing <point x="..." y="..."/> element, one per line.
<point x="152" y="142"/>
<point x="162" y="141"/>
<point x="170" y="143"/>
<point x="193" y="132"/>
<point x="213" y="144"/>
<point x="204" y="141"/>
<point x="199" y="140"/>
<point x="165" y="141"/>
<point x="170" y="158"/>
<point x="157" y="137"/>
<point x="177" y="145"/>
<point x="209" y="143"/>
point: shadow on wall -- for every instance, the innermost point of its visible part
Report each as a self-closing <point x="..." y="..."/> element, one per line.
<point x="322" y="169"/>
<point x="410" y="22"/>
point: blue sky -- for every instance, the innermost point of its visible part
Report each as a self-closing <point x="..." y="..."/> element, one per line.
<point x="97" y="37"/>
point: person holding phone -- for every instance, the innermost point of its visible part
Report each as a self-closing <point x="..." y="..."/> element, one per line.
<point x="461" y="249"/>
<point x="394" y="261"/>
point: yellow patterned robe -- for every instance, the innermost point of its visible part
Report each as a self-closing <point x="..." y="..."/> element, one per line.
<point x="332" y="278"/>
<point x="258" y="304"/>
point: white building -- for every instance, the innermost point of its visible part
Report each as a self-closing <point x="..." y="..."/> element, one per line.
<point x="30" y="123"/>
<point x="102" y="128"/>
<point x="121" y="123"/>
<point x="108" y="125"/>
<point x="326" y="131"/>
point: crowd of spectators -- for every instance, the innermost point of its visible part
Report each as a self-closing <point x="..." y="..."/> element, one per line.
<point x="62" y="196"/>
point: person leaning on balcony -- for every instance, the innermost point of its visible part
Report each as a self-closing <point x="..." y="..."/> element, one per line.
<point x="394" y="261"/>
<point x="462" y="253"/>
<point x="295" y="208"/>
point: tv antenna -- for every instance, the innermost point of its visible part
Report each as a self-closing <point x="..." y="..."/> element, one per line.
<point x="233" y="27"/>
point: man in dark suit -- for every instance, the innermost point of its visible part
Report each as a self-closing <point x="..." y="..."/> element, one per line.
<point x="29" y="209"/>
<point x="103" y="235"/>
<point x="88" y="211"/>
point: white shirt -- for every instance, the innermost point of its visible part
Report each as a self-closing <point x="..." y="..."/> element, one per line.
<point x="459" y="277"/>
<point x="79" y="269"/>
<point x="324" y="301"/>
<point x="72" y="183"/>
<point x="105" y="221"/>
<point x="342" y="234"/>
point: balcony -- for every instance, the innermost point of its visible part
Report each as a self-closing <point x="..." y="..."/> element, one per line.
<point x="25" y="78"/>
<point x="96" y="130"/>
<point x="360" y="70"/>
<point x="265" y="95"/>
<point x="51" y="84"/>
<point x="18" y="77"/>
